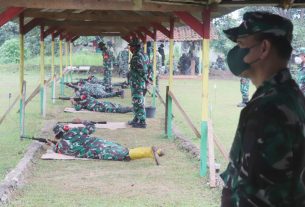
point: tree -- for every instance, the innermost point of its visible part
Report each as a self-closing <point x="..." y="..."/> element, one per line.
<point x="10" y="51"/>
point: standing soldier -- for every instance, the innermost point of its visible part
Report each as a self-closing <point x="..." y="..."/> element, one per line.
<point x="107" y="64"/>
<point x="244" y="89"/>
<point x="123" y="62"/>
<point x="138" y="80"/>
<point x="300" y="60"/>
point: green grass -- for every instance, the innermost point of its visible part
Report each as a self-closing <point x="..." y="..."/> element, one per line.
<point x="11" y="148"/>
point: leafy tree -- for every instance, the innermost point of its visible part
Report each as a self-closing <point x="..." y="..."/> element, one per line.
<point x="10" y="51"/>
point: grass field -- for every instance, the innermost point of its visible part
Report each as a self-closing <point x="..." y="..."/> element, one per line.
<point x="137" y="183"/>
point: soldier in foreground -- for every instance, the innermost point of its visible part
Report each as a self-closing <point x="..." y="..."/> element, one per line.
<point x="267" y="158"/>
<point x="77" y="142"/>
<point x="138" y="81"/>
<point x="91" y="104"/>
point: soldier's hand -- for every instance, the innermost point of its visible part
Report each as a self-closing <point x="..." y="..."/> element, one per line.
<point x="73" y="101"/>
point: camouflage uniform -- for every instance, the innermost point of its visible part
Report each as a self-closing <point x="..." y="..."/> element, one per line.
<point x="123" y="59"/>
<point x="91" y="104"/>
<point x="96" y="91"/>
<point x="108" y="61"/>
<point x="138" y="79"/>
<point x="77" y="142"/>
<point x="244" y="89"/>
<point x="267" y="158"/>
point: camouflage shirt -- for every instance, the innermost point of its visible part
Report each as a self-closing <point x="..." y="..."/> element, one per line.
<point x="267" y="158"/>
<point x="139" y="69"/>
<point x="108" y="58"/>
<point x="77" y="142"/>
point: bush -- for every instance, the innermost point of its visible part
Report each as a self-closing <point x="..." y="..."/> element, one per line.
<point x="10" y="51"/>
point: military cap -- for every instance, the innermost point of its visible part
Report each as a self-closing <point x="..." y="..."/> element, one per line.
<point x="135" y="42"/>
<point x="101" y="44"/>
<point x="261" y="22"/>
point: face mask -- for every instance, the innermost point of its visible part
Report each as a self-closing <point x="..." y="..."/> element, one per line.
<point x="298" y="60"/>
<point x="235" y="59"/>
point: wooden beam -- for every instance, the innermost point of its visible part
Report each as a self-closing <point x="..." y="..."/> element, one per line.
<point x="191" y="21"/>
<point x="99" y="5"/>
<point x="94" y="16"/>
<point x="49" y="31"/>
<point x="146" y="31"/>
<point x="161" y="28"/>
<point x="9" y="14"/>
<point x="29" y="26"/>
<point x="58" y="32"/>
<point x="75" y="38"/>
<point x="92" y="24"/>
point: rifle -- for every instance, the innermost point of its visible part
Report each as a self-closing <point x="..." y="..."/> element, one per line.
<point x="39" y="139"/>
<point x="68" y="98"/>
<point x="72" y="122"/>
<point x="72" y="86"/>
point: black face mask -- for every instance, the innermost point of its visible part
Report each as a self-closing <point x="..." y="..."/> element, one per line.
<point x="235" y="59"/>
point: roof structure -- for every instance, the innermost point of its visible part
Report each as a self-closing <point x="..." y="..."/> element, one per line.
<point x="123" y="18"/>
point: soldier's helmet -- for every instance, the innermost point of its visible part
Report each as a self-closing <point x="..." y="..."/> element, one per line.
<point x="60" y="128"/>
<point x="135" y="43"/>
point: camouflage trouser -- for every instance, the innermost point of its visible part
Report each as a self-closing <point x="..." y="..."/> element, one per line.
<point x="107" y="77"/>
<point x="138" y="103"/>
<point x="106" y="150"/>
<point x="104" y="106"/>
<point x="98" y="94"/>
<point x="244" y="89"/>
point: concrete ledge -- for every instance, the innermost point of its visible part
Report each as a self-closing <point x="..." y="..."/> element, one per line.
<point x="14" y="178"/>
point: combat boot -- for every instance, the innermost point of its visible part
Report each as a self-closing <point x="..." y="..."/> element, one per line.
<point x="135" y="120"/>
<point x="140" y="124"/>
<point x="121" y="93"/>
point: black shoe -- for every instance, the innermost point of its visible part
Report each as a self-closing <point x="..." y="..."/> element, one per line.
<point x="139" y="125"/>
<point x="121" y="93"/>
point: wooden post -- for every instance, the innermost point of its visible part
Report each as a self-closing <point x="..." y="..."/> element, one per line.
<point x="66" y="58"/>
<point x="155" y="69"/>
<point x="21" y="73"/>
<point x="42" y="71"/>
<point x="61" y="66"/>
<point x="45" y="86"/>
<point x="212" y="169"/>
<point x="70" y="46"/>
<point x="170" y="81"/>
<point x="22" y="128"/>
<point x="166" y="108"/>
<point x="206" y="15"/>
<point x="53" y="70"/>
